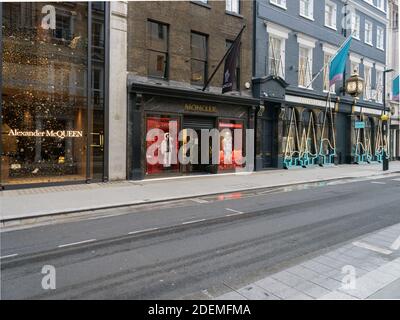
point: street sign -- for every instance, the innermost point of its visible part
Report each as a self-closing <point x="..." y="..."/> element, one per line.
<point x="359" y="125"/>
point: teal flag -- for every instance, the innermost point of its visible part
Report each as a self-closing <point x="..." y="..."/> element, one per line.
<point x="338" y="63"/>
<point x="395" y="92"/>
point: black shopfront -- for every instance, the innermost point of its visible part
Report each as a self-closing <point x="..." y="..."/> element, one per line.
<point x="54" y="93"/>
<point x="156" y="107"/>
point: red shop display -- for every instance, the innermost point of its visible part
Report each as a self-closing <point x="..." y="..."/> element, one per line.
<point x="168" y="150"/>
<point x="227" y="145"/>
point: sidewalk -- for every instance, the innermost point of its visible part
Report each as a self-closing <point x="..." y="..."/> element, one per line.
<point x="368" y="268"/>
<point x="34" y="202"/>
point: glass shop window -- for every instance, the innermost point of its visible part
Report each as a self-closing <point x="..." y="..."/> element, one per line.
<point x="231" y="151"/>
<point x="168" y="148"/>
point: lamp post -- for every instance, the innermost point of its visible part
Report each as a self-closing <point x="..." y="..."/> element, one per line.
<point x="385" y="118"/>
<point x="354" y="86"/>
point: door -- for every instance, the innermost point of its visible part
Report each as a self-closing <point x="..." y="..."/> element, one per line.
<point x="197" y="124"/>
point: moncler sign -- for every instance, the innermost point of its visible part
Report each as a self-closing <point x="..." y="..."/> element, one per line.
<point x="61" y="134"/>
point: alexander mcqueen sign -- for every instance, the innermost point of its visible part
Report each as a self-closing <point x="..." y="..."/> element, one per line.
<point x="47" y="133"/>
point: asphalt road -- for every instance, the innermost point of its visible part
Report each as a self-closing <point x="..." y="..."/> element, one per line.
<point x="196" y="248"/>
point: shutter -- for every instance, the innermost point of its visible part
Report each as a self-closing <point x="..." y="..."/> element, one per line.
<point x="198" y="123"/>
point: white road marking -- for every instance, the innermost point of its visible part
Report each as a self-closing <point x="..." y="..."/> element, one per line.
<point x="396" y="244"/>
<point x="100" y="217"/>
<point x="396" y="179"/>
<point x="75" y="243"/>
<point x="371" y="247"/>
<point x="144" y="230"/>
<point x="193" y="221"/>
<point x="235" y="212"/>
<point x="9" y="256"/>
<point x="376" y="182"/>
<point x="199" y="200"/>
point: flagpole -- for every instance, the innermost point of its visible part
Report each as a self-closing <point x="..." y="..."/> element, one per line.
<point x="324" y="66"/>
<point x="222" y="60"/>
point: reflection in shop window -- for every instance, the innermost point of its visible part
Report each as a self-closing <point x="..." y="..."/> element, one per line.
<point x="44" y="93"/>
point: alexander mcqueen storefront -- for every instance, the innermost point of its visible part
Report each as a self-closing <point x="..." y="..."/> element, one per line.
<point x="53" y="92"/>
<point x="176" y="113"/>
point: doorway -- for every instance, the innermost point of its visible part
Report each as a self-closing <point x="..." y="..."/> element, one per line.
<point x="198" y="123"/>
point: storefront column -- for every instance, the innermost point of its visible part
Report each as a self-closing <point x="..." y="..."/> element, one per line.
<point x="136" y="138"/>
<point x="117" y="91"/>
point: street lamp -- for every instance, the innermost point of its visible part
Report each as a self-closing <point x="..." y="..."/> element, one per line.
<point x="355" y="85"/>
<point x="385" y="118"/>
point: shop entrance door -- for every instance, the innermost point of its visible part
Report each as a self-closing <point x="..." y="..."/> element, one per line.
<point x="197" y="124"/>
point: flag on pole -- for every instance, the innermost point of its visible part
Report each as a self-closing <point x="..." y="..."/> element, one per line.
<point x="338" y="62"/>
<point x="395" y="89"/>
<point x="231" y="65"/>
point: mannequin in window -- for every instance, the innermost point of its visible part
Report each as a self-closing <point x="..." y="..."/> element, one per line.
<point x="166" y="150"/>
<point x="227" y="148"/>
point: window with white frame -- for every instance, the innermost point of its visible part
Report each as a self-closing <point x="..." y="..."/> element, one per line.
<point x="327" y="59"/>
<point x="307" y="8"/>
<point x="379" y="84"/>
<point x="330" y="14"/>
<point x="233" y="6"/>
<point x="355" y="61"/>
<point x="380" y="38"/>
<point x="368" y="82"/>
<point x="355" y="26"/>
<point x="305" y="65"/>
<point x="368" y="32"/>
<point x="276" y="56"/>
<point x="380" y="4"/>
<point x="355" y="67"/>
<point x="279" y="3"/>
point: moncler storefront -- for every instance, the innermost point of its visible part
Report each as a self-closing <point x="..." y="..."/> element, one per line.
<point x="169" y="124"/>
<point x="53" y="97"/>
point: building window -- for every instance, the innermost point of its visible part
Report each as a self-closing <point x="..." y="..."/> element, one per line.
<point x="330" y="14"/>
<point x="305" y="66"/>
<point x="368" y="32"/>
<point x="395" y="18"/>
<point x="379" y="86"/>
<point x="307" y="8"/>
<point x="380" y="5"/>
<point x="233" y="6"/>
<point x="380" y="38"/>
<point x="198" y="45"/>
<point x="355" y="67"/>
<point x="63" y="29"/>
<point x="368" y="83"/>
<point x="355" y="26"/>
<point x="279" y="3"/>
<point x="236" y="85"/>
<point x="276" y="56"/>
<point x="327" y="59"/>
<point x="157" y="50"/>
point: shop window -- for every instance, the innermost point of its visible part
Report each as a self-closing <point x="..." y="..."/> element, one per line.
<point x="231" y="151"/>
<point x="168" y="147"/>
<point x="198" y="45"/>
<point x="157" y="50"/>
<point x="45" y="114"/>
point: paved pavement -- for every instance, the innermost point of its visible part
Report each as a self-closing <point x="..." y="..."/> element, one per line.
<point x="368" y="268"/>
<point x="209" y="246"/>
<point x="34" y="202"/>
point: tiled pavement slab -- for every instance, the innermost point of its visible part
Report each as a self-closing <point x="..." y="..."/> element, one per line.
<point x="352" y="271"/>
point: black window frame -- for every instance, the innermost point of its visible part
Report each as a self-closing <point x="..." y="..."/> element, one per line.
<point x="149" y="49"/>
<point x="206" y="36"/>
